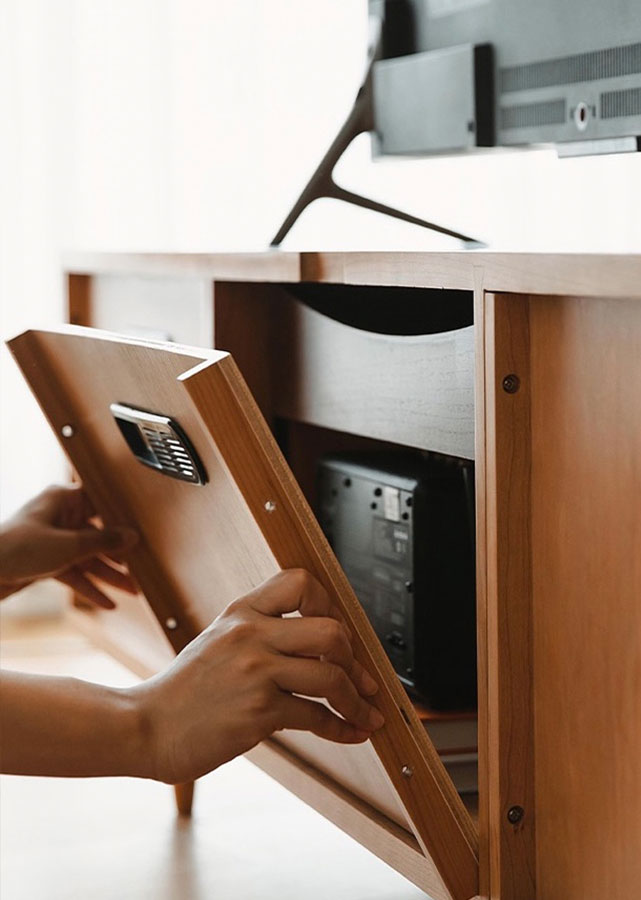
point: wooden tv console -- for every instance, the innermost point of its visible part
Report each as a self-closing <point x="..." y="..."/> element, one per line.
<point x="542" y="386"/>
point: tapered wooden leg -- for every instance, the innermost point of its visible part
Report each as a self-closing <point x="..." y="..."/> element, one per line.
<point x="184" y="797"/>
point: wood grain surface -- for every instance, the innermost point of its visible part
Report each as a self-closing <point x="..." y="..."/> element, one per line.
<point x="417" y="391"/>
<point x="586" y="537"/>
<point x="203" y="546"/>
<point x="276" y="266"/>
<point x="245" y="325"/>
<point x="506" y="600"/>
<point x="571" y="274"/>
<point x="79" y="299"/>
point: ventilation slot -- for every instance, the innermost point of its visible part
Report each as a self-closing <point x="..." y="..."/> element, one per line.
<point x="171" y="454"/>
<point x="533" y="115"/>
<point x="598" y="64"/>
<point x="615" y="104"/>
<point x="158" y="442"/>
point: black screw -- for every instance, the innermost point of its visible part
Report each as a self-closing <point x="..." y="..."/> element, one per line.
<point x="515" y="814"/>
<point x="511" y="384"/>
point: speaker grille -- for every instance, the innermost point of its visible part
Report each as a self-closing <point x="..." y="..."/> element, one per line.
<point x="532" y="115"/>
<point x="621" y="103"/>
<point x="597" y="64"/>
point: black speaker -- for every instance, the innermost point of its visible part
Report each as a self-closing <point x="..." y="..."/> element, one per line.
<point x="402" y="528"/>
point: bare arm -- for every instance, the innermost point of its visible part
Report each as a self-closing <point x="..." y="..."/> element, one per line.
<point x="65" y="726"/>
<point x="247" y="675"/>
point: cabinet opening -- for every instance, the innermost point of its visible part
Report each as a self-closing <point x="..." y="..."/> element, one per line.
<point x="401" y="523"/>
<point x="388" y="310"/>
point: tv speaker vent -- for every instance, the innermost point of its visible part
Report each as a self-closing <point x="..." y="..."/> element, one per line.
<point x="533" y="115"/>
<point x="595" y="65"/>
<point x="615" y="104"/>
<point x="159" y="442"/>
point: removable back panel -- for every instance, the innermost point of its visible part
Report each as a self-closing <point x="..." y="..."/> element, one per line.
<point x="202" y="547"/>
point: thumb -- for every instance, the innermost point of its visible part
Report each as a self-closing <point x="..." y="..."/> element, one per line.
<point x="90" y="541"/>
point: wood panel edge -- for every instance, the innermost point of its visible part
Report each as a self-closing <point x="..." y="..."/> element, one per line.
<point x="481" y="578"/>
<point x="510" y="741"/>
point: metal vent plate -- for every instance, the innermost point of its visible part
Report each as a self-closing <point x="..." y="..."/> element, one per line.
<point x="159" y="442"/>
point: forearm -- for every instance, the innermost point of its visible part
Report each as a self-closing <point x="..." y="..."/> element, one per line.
<point x="68" y="727"/>
<point x="252" y="672"/>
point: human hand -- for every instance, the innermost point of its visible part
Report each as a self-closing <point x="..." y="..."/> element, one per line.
<point x="52" y="536"/>
<point x="241" y="680"/>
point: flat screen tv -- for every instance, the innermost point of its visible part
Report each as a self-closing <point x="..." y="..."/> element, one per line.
<point x="459" y="74"/>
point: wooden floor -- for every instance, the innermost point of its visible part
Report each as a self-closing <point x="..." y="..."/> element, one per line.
<point x="120" y="838"/>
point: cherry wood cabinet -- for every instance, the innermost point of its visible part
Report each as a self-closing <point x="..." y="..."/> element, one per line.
<point x="538" y="380"/>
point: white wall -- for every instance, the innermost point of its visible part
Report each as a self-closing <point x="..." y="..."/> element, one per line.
<point x="192" y="125"/>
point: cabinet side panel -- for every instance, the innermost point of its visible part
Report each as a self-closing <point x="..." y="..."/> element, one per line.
<point x="586" y="430"/>
<point x="79" y="299"/>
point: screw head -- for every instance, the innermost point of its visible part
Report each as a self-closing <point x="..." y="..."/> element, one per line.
<point x="515" y="814"/>
<point x="270" y="506"/>
<point x="511" y="383"/>
<point x="407" y="771"/>
<point x="67" y="431"/>
<point x="171" y="624"/>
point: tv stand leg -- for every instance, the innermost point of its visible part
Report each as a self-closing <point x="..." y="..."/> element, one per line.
<point x="322" y="184"/>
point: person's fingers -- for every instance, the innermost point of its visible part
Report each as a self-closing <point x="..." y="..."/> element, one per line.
<point x="320" y="637"/>
<point x="88" y="542"/>
<point x="293" y="590"/>
<point x="77" y="509"/>
<point x="366" y="685"/>
<point x="109" y="574"/>
<point x="62" y="505"/>
<point x="308" y="715"/>
<point x="316" y="636"/>
<point x="78" y="582"/>
<point x="314" y="678"/>
<point x="46" y="505"/>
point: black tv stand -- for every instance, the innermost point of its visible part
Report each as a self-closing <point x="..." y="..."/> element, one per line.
<point x="322" y="184"/>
